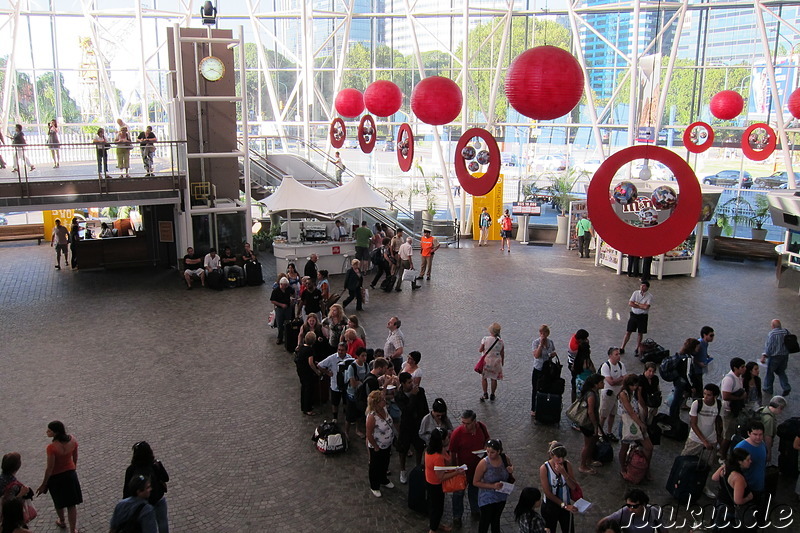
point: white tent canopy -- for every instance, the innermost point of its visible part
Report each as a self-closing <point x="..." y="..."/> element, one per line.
<point x="293" y="196"/>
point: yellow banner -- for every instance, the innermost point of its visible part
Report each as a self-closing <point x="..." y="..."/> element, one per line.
<point x="49" y="218"/>
<point x="493" y="202"/>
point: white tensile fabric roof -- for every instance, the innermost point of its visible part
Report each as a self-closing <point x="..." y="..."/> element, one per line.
<point x="294" y="196"/>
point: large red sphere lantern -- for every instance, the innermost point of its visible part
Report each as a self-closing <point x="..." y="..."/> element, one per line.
<point x="349" y="103"/>
<point x="794" y="103"/>
<point x="726" y="105"/>
<point x="436" y="100"/>
<point x="383" y="98"/>
<point x="544" y="83"/>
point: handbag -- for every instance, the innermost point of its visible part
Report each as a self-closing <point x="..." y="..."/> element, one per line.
<point x="28" y="511"/>
<point x="456" y="483"/>
<point x="506" y="464"/>
<point x="578" y="413"/>
<point x="480" y="364"/>
<point x="790" y="343"/>
<point x="576" y="493"/>
<point x="271" y="319"/>
<point x="409" y="274"/>
<point x="365" y="295"/>
<point x="630" y="430"/>
<point x="332" y="299"/>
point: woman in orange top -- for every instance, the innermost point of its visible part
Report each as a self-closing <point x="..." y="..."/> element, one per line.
<point x="436" y="454"/>
<point x="60" y="477"/>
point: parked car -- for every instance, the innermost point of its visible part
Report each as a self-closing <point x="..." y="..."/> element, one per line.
<point x="550" y="162"/>
<point x="730" y="178"/>
<point x="350" y="144"/>
<point x="3" y="221"/>
<point x="658" y="171"/>
<point x="589" y="166"/>
<point x="778" y="180"/>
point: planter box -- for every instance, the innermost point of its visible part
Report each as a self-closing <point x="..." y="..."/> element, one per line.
<point x="747" y="248"/>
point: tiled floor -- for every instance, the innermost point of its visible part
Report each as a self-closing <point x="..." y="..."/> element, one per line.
<point x="122" y="356"/>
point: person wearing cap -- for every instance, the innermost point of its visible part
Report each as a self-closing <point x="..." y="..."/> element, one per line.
<point x="281" y="298"/>
<point x="429" y="245"/>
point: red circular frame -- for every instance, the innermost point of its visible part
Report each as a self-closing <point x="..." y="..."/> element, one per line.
<point x="656" y="240"/>
<point x="405" y="161"/>
<point x="702" y="147"/>
<point x="759" y="155"/>
<point x="367" y="147"/>
<point x="485" y="183"/>
<point x="337" y="121"/>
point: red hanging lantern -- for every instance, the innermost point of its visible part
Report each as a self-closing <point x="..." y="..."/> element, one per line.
<point x="436" y="100"/>
<point x="544" y="83"/>
<point x="726" y="105"/>
<point x="349" y="103"/>
<point x="794" y="103"/>
<point x="383" y="98"/>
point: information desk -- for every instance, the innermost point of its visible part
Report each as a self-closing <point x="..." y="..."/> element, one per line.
<point x="331" y="255"/>
<point x="113" y="252"/>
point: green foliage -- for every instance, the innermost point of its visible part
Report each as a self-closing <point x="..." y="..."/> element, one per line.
<point x="745" y="213"/>
<point x="561" y="189"/>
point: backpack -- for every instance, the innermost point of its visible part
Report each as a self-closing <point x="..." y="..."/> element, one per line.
<point x="636" y="465"/>
<point x="341" y="380"/>
<point x="362" y="392"/>
<point x="376" y="256"/>
<point x="670" y="368"/>
<point x="701" y="403"/>
<point x="746" y="418"/>
<point x="329" y="438"/>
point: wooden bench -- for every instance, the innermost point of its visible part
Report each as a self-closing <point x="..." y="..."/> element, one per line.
<point x="22" y="232"/>
<point x="747" y="248"/>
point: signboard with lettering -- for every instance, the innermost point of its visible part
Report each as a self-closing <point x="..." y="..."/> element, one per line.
<point x="493" y="202"/>
<point x="526" y="208"/>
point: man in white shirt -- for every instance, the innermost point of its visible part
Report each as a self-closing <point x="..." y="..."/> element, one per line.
<point x="705" y="422"/>
<point x="212" y="261"/>
<point x="330" y="367"/>
<point x="393" y="348"/>
<point x="640" y="308"/>
<point x="613" y="371"/>
<point x="405" y="253"/>
<point x="732" y="389"/>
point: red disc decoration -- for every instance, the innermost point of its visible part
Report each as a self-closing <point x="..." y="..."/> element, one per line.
<point x="544" y="83"/>
<point x="483" y="184"/>
<point x="769" y="146"/>
<point x="695" y="147"/>
<point x="383" y="98"/>
<point x="349" y="103"/>
<point x="794" y="103"/>
<point x="338" y="133"/>
<point x="405" y="147"/>
<point x="726" y="105"/>
<point x="367" y="134"/>
<point x="655" y="240"/>
<point x="436" y="100"/>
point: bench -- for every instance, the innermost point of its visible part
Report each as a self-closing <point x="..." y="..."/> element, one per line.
<point x="747" y="248"/>
<point x="22" y="232"/>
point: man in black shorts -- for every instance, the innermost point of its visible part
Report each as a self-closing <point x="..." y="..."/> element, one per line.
<point x="640" y="308"/>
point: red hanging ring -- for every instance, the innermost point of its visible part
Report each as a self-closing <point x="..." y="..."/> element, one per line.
<point x="759" y="155"/>
<point x="405" y="147"/>
<point x="698" y="148"/>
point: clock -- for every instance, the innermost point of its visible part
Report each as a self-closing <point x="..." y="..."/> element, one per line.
<point x="212" y="68"/>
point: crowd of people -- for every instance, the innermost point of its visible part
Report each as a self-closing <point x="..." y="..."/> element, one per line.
<point x="386" y="406"/>
<point x="143" y="506"/>
<point x="218" y="271"/>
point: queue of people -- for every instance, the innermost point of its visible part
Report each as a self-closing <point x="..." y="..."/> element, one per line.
<point x="143" y="506"/>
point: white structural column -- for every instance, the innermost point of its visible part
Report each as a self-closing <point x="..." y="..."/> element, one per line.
<point x="10" y="79"/>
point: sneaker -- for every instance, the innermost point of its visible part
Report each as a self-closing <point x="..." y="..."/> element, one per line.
<point x="709" y="493"/>
<point x="403" y="477"/>
<point x="389" y="485"/>
<point x="376" y="493"/>
<point x="415" y="287"/>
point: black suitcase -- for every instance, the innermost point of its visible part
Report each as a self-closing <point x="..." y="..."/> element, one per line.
<point x="388" y="283"/>
<point x="291" y="329"/>
<point x="603" y="452"/>
<point x="654" y="432"/>
<point x="787" y="455"/>
<point x="687" y="478"/>
<point x="215" y="280"/>
<point x="551" y="386"/>
<point x="670" y="428"/>
<point x="548" y="408"/>
<point x="655" y="354"/>
<point x="417" y="490"/>
<point x="252" y="273"/>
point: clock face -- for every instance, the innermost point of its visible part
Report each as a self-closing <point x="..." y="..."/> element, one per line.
<point x="212" y="68"/>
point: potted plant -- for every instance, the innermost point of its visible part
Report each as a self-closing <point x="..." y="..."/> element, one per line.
<point x="561" y="191"/>
<point x="751" y="214"/>
<point x="392" y="196"/>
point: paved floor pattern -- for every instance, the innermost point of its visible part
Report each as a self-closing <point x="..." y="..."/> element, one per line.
<point x="123" y="356"/>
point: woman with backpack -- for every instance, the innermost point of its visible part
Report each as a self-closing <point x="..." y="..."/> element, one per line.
<point x="144" y="463"/>
<point x="634" y="430"/>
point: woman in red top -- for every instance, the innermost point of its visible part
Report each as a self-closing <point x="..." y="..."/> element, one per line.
<point x="60" y="477"/>
<point x="436" y="454"/>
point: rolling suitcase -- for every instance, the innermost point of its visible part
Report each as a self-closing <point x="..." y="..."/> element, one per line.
<point x="603" y="452"/>
<point x="291" y="329"/>
<point x="687" y="478"/>
<point x="548" y="408"/>
<point x="388" y="284"/>
<point x="215" y="280"/>
<point x="252" y="273"/>
<point x="653" y="352"/>
<point x="417" y="490"/>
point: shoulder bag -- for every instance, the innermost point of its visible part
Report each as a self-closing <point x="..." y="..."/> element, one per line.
<point x="482" y="361"/>
<point x="456" y="483"/>
<point x="578" y="412"/>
